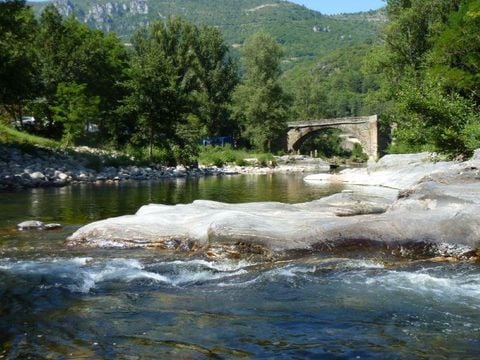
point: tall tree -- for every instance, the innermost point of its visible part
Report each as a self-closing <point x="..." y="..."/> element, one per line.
<point x="180" y="81"/>
<point x="149" y="93"/>
<point x="17" y="56"/>
<point x="433" y="94"/>
<point x="70" y="52"/>
<point x="76" y="110"/>
<point x="260" y="102"/>
<point x="413" y="24"/>
<point x="217" y="75"/>
<point x="455" y="57"/>
<point x="161" y="81"/>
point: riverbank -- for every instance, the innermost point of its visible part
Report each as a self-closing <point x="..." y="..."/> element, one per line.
<point x="407" y="205"/>
<point x="39" y="167"/>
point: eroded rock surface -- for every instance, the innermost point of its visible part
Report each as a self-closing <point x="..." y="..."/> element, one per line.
<point x="437" y="211"/>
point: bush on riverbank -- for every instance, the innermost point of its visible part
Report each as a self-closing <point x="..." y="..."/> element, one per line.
<point x="220" y="156"/>
<point x="97" y="159"/>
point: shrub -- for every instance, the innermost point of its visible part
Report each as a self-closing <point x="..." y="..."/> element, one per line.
<point x="357" y="153"/>
<point x="220" y="156"/>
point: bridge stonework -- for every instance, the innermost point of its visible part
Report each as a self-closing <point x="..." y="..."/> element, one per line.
<point x="364" y="128"/>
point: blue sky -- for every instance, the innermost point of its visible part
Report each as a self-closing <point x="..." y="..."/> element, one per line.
<point x="338" y="6"/>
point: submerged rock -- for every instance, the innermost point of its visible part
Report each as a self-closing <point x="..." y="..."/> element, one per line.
<point x="438" y="213"/>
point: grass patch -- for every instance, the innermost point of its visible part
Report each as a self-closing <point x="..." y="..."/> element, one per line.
<point x="220" y="156"/>
<point x="11" y="136"/>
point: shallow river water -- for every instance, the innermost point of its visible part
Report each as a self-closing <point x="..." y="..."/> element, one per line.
<point x="64" y="303"/>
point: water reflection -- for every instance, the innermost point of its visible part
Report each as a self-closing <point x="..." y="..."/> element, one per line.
<point x="80" y="204"/>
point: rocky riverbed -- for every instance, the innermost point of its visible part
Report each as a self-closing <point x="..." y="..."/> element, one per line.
<point x="406" y="205"/>
<point x="45" y="168"/>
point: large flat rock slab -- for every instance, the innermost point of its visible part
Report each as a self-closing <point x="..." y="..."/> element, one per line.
<point x="441" y="206"/>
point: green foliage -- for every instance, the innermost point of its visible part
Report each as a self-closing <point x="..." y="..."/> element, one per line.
<point x="141" y="155"/>
<point x="17" y="56"/>
<point x="69" y="52"/>
<point x="327" y="143"/>
<point x="358" y="154"/>
<point x="433" y="120"/>
<point x="412" y="27"/>
<point x="9" y="135"/>
<point x="430" y="62"/>
<point x="220" y="156"/>
<point x="455" y="56"/>
<point x="179" y="84"/>
<point x="333" y="86"/>
<point x="266" y="160"/>
<point x="260" y="103"/>
<point x="75" y="110"/>
<point x="217" y="76"/>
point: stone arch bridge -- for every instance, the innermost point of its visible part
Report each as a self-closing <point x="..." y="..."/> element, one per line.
<point x="363" y="128"/>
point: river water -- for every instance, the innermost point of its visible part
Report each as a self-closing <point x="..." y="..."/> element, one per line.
<point x="59" y="302"/>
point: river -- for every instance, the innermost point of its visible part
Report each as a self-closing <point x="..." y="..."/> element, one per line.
<point x="60" y="302"/>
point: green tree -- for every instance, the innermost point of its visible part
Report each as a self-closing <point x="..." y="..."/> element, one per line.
<point x="179" y="84"/>
<point x="149" y="93"/>
<point x="17" y="56"/>
<point x="335" y="85"/>
<point x="217" y="75"/>
<point x="161" y="82"/>
<point x="430" y="63"/>
<point x="75" y="110"/>
<point x="260" y="103"/>
<point x="413" y="24"/>
<point x="70" y="52"/>
<point x="455" y="58"/>
<point x="433" y="120"/>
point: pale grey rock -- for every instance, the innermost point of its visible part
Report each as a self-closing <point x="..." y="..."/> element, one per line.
<point x="440" y="210"/>
<point x="392" y="171"/>
<point x="30" y="225"/>
<point x="52" y="226"/>
<point x="61" y="176"/>
<point x="139" y="7"/>
<point x="179" y="171"/>
<point x="37" y="175"/>
<point x="476" y="155"/>
<point x="65" y="7"/>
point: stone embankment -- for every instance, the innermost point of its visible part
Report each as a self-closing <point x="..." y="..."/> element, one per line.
<point x="44" y="168"/>
<point x="19" y="170"/>
<point x="402" y="205"/>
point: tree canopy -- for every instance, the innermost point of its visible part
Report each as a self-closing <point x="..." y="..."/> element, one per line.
<point x="176" y="83"/>
<point x="260" y="104"/>
<point x="431" y="61"/>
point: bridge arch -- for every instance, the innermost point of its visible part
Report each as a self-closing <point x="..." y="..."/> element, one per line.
<point x="364" y="128"/>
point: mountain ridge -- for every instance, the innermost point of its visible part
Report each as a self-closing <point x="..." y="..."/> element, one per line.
<point x="304" y="33"/>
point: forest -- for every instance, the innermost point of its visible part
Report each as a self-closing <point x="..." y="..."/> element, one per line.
<point x="176" y="83"/>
